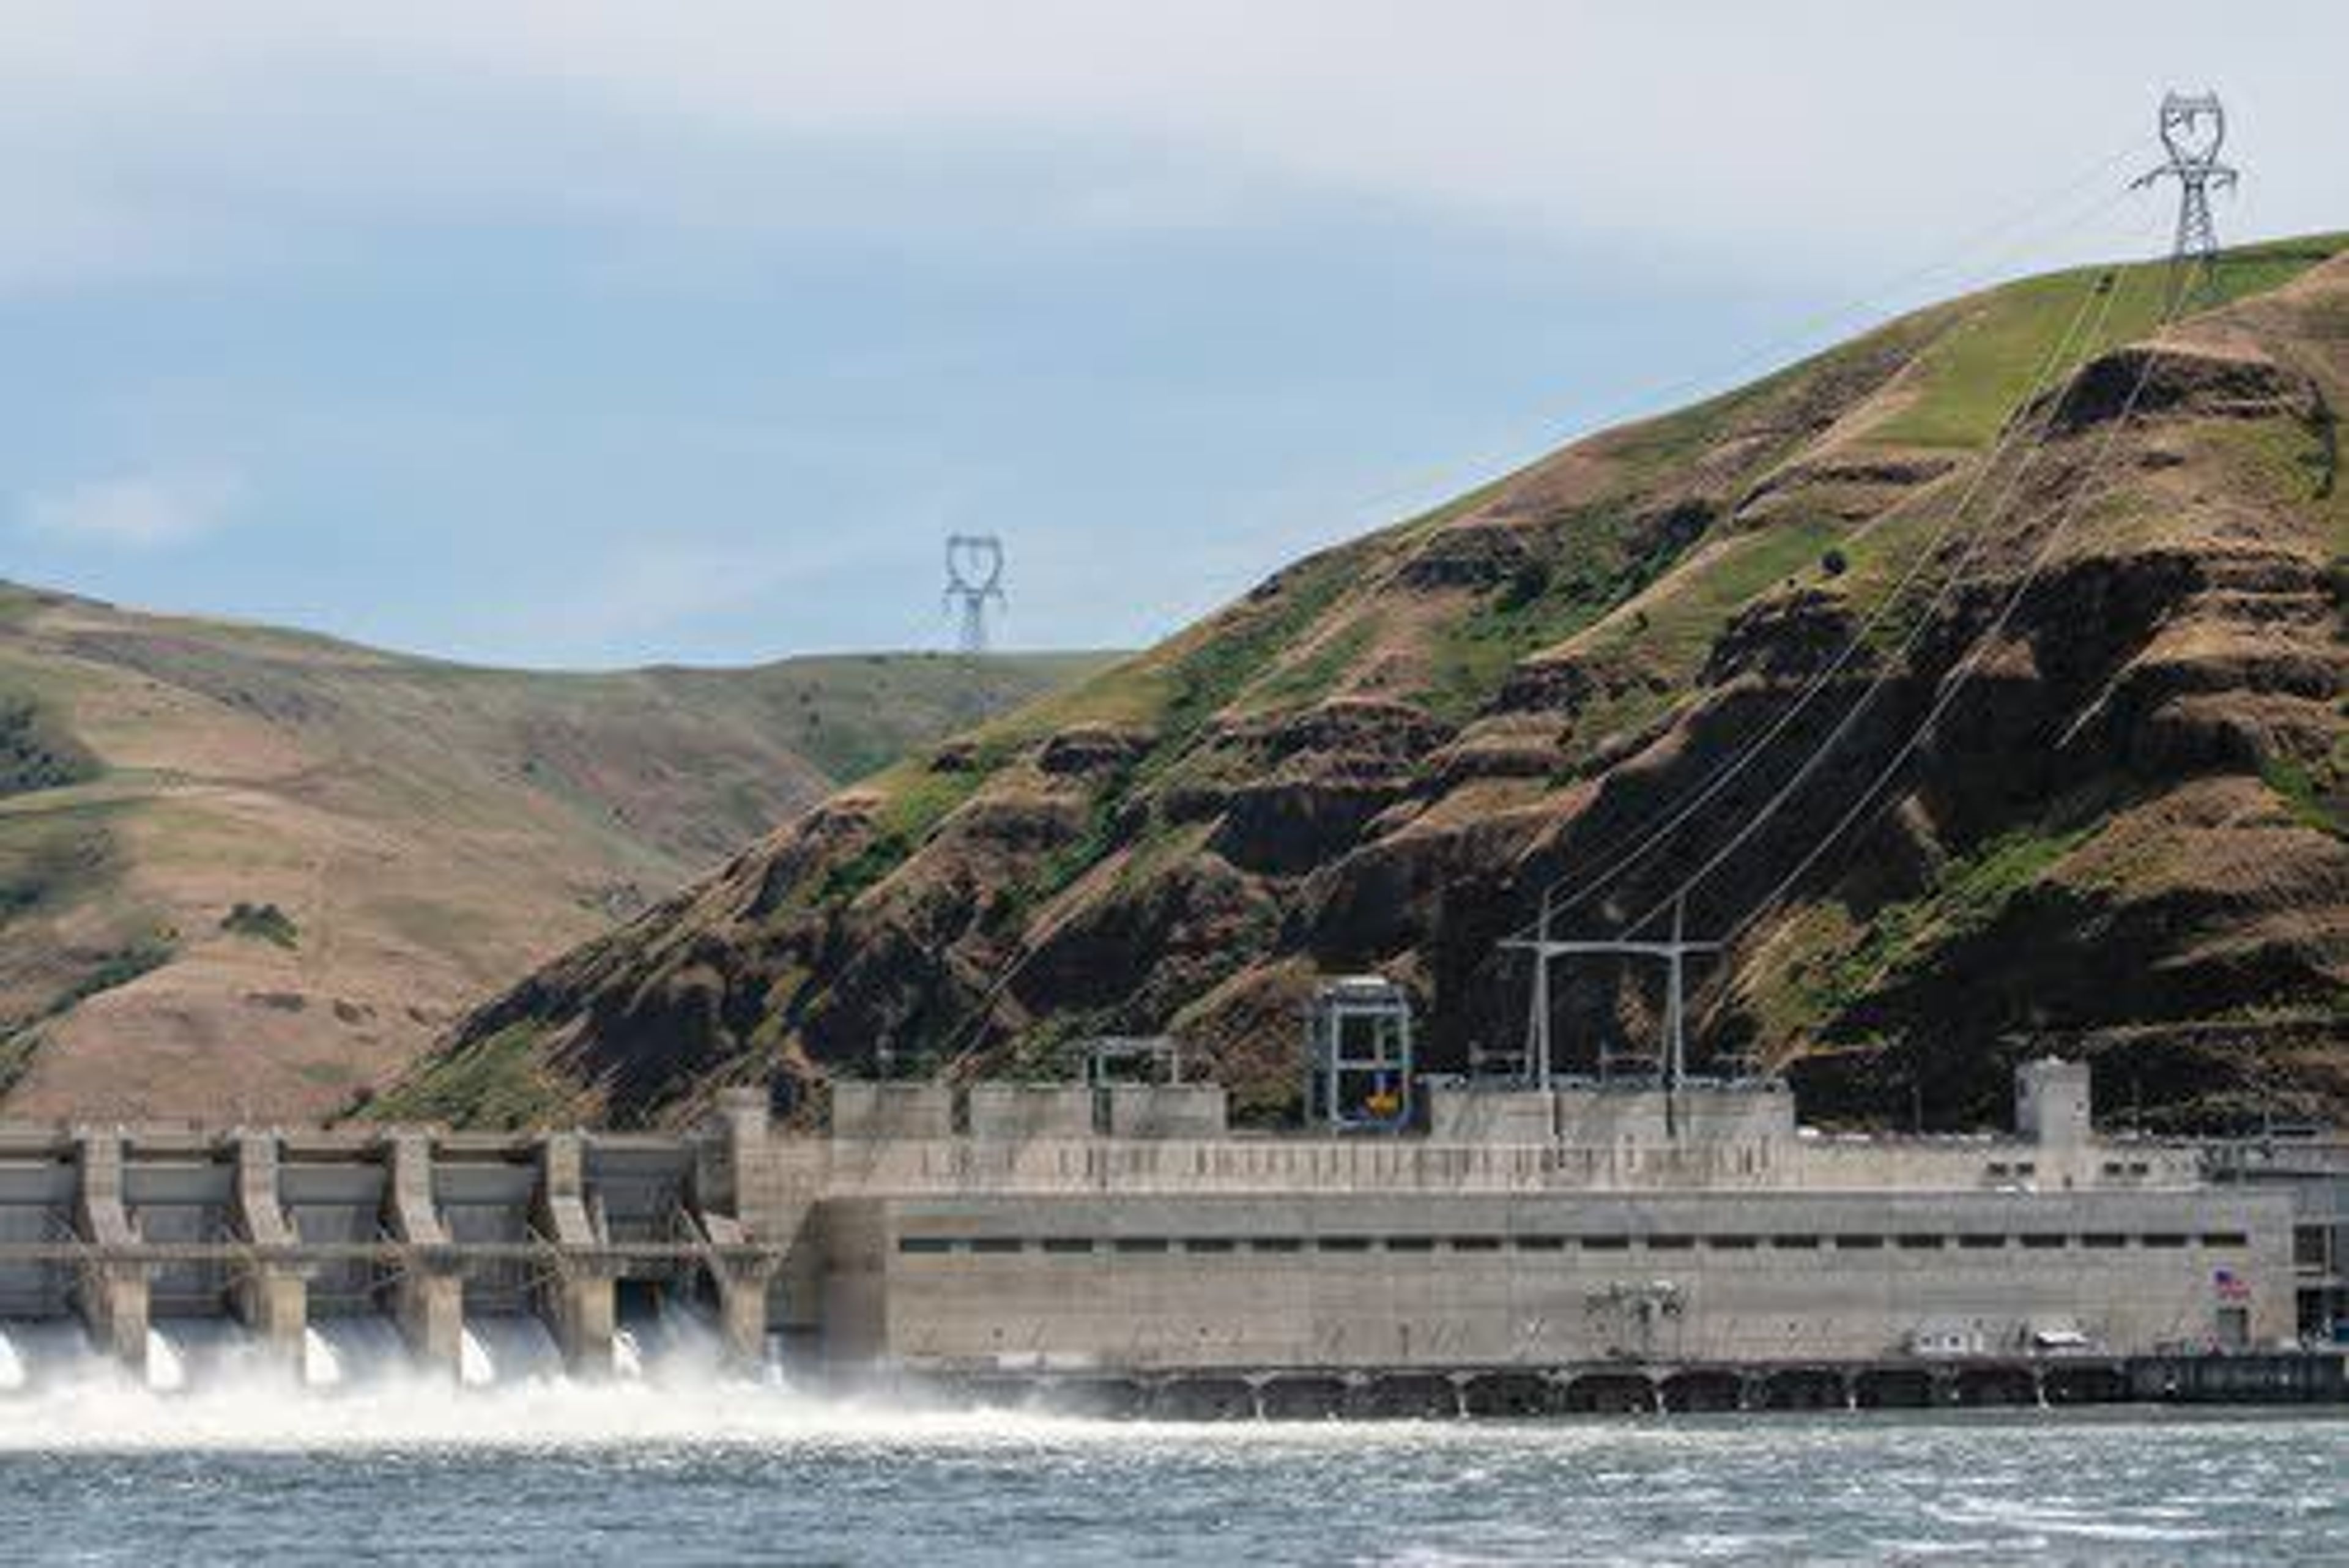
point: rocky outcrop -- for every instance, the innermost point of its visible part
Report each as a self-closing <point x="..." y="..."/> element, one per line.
<point x="1087" y="749"/>
<point x="2159" y="380"/>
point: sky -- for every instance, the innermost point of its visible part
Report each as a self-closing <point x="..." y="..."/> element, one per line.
<point x="584" y="332"/>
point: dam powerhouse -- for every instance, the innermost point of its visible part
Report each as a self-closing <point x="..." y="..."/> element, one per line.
<point x="1424" y="1246"/>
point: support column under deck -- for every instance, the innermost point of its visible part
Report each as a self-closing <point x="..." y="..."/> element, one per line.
<point x="272" y="1298"/>
<point x="577" y="1300"/>
<point x="110" y="1293"/>
<point x="428" y="1293"/>
<point x="747" y="1195"/>
<point x="741" y="1280"/>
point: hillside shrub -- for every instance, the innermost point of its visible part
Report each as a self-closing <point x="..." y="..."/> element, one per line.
<point x="263" y="922"/>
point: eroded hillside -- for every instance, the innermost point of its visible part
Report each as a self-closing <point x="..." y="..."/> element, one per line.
<point x="2119" y="600"/>
<point x="247" y="872"/>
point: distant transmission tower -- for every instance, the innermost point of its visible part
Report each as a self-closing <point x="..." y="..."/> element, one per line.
<point x="2193" y="127"/>
<point x="974" y="580"/>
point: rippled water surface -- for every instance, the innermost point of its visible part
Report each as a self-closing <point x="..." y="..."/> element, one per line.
<point x="710" y="1473"/>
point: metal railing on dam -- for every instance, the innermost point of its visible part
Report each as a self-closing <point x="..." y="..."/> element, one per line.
<point x="1276" y="1163"/>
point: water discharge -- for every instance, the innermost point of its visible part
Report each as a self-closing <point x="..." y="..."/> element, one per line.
<point x="505" y="1350"/>
<point x="180" y="1351"/>
<point x="30" y="1351"/>
<point x="340" y="1352"/>
<point x="678" y="1466"/>
<point x="211" y="1382"/>
<point x="671" y="1459"/>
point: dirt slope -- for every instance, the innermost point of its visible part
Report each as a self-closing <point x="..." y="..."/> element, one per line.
<point x="2123" y="834"/>
<point x="401" y="835"/>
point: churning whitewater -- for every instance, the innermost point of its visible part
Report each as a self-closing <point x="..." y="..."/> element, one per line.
<point x="210" y="1381"/>
<point x="675" y="1460"/>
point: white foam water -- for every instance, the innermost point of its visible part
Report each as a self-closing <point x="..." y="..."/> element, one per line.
<point x="182" y="1352"/>
<point x="680" y="1462"/>
<point x="679" y="1342"/>
<point x="345" y="1351"/>
<point x="628" y="1356"/>
<point x="359" y="1389"/>
<point x="211" y="1382"/>
<point x="33" y="1352"/>
<point x="166" y="1372"/>
<point x="503" y="1350"/>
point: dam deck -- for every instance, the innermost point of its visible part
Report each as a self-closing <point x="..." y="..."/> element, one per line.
<point x="397" y="1254"/>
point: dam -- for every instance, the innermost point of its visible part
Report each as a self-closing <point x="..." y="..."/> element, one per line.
<point x="459" y="1252"/>
<point x="1492" y="1248"/>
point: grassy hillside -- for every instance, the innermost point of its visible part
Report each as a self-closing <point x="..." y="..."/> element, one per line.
<point x="2124" y="835"/>
<point x="248" y="871"/>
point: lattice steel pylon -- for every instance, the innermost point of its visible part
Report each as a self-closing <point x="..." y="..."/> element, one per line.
<point x="2193" y="128"/>
<point x="974" y="581"/>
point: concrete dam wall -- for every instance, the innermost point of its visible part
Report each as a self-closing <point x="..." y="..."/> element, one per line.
<point x="1518" y="1248"/>
<point x="554" y="1246"/>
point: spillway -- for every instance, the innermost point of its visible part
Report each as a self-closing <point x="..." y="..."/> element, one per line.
<point x="184" y="1352"/>
<point x="351" y="1355"/>
<point x="673" y="1346"/>
<point x="498" y="1351"/>
<point x="352" y="1352"/>
<point x="33" y="1353"/>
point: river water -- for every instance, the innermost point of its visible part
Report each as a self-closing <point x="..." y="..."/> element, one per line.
<point x="215" y="1457"/>
<point x="694" y="1469"/>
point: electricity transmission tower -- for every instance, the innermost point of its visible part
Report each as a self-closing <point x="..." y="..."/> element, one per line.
<point x="974" y="580"/>
<point x="2193" y="128"/>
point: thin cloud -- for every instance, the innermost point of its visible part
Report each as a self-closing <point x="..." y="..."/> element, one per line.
<point x="137" y="512"/>
<point x="1809" y="129"/>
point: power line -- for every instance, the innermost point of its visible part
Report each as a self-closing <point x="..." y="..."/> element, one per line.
<point x="1662" y="829"/>
<point x="976" y="1019"/>
<point x="1898" y="658"/>
<point x="2193" y="129"/>
<point x="1956" y="681"/>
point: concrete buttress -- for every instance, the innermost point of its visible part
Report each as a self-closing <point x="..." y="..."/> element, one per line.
<point x="272" y="1297"/>
<point x="428" y="1296"/>
<point x="576" y="1300"/>
<point x="111" y="1293"/>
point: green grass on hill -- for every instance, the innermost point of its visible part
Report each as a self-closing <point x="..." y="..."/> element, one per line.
<point x="852" y="714"/>
<point x="263" y="922"/>
<point x="499" y="1081"/>
<point x="1972" y="378"/>
<point x="37" y="751"/>
<point x="1833" y="965"/>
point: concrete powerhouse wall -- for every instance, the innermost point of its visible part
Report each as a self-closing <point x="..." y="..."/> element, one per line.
<point x="1363" y="1281"/>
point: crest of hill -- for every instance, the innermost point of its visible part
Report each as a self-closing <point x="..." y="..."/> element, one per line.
<point x="2124" y="835"/>
<point x="247" y="872"/>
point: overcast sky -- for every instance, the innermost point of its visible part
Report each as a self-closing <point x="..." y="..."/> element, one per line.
<point x="584" y="332"/>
